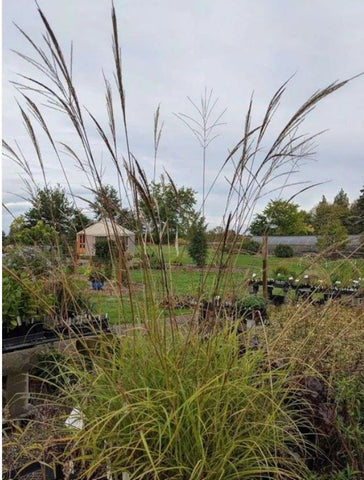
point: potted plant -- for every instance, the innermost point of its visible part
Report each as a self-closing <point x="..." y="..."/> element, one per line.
<point x="253" y="307"/>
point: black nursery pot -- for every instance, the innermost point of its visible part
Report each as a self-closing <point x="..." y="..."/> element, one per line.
<point x="278" y="300"/>
<point x="22" y="330"/>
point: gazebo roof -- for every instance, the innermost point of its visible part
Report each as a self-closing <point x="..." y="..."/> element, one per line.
<point x="106" y="228"/>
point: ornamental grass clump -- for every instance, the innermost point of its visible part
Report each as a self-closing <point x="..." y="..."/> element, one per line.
<point x="162" y="407"/>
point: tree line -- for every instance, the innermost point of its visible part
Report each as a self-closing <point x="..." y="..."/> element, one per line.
<point x="167" y="214"/>
<point x="170" y="213"/>
<point x="331" y="222"/>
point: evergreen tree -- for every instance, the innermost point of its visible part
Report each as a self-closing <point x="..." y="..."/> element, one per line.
<point x="107" y="203"/>
<point x="330" y="220"/>
<point x="342" y="208"/>
<point x="356" y="215"/>
<point x="127" y="219"/>
<point x="321" y="215"/>
<point x="52" y="219"/>
<point x="81" y="221"/>
<point x="197" y="247"/>
<point x="341" y="199"/>
<point x="16" y="226"/>
<point x="333" y="235"/>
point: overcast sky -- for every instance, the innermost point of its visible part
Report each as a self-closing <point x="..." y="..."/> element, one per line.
<point x="172" y="49"/>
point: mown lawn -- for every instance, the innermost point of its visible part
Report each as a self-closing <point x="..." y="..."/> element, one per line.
<point x="189" y="281"/>
<point x="345" y="269"/>
<point x="181" y="283"/>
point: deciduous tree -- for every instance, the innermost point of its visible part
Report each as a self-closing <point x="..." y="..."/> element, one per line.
<point x="171" y="208"/>
<point x="40" y="234"/>
<point x="259" y="226"/>
<point x="52" y="207"/>
<point x="280" y="217"/>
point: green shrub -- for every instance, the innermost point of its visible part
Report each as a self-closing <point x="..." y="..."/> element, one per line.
<point x="246" y="306"/>
<point x="253" y="302"/>
<point x="32" y="260"/>
<point x="105" y="249"/>
<point x="109" y="270"/>
<point x="177" y="260"/>
<point x="22" y="299"/>
<point x="69" y="298"/>
<point x="283" y="251"/>
<point x="344" y="271"/>
<point x="282" y="272"/>
<point x="106" y="252"/>
<point x="248" y="245"/>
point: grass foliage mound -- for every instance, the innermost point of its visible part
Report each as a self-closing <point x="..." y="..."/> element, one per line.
<point x="185" y="410"/>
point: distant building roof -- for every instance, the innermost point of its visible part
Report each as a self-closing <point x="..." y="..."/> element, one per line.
<point x="301" y="240"/>
<point x="291" y="240"/>
<point x="106" y="228"/>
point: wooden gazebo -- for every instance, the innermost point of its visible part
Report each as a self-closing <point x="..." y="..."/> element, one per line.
<point x="86" y="239"/>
